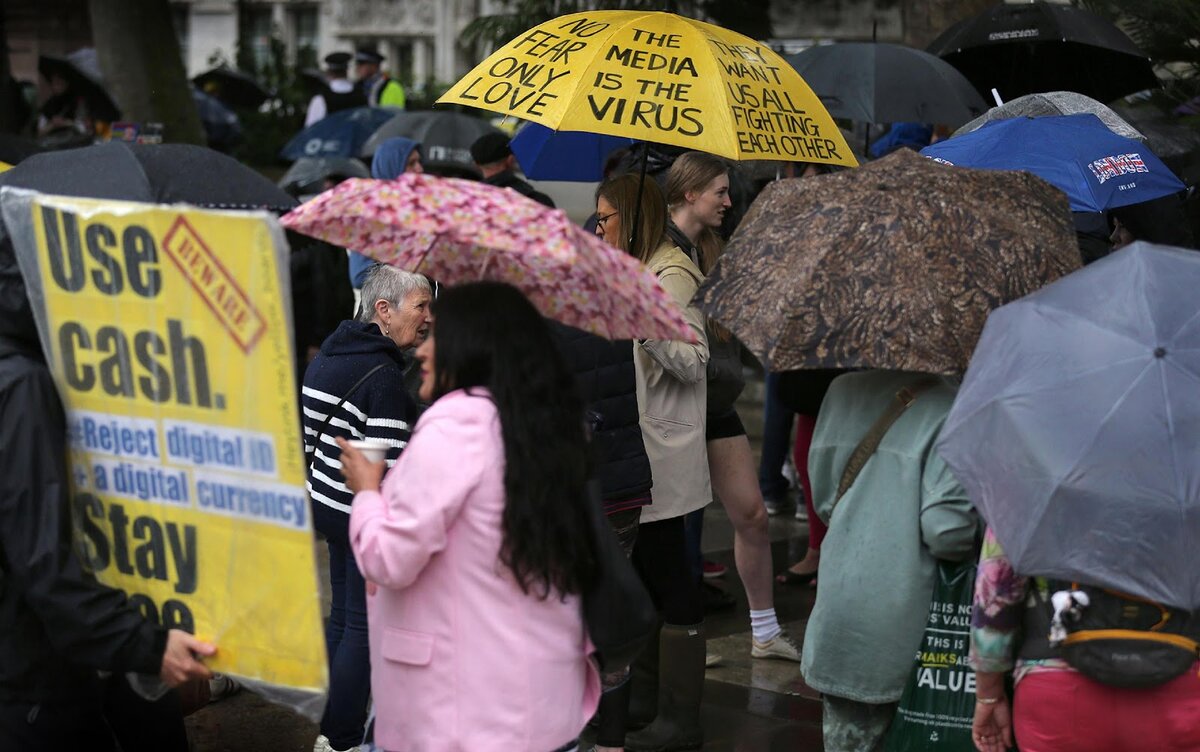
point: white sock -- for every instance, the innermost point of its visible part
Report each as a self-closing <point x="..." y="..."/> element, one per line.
<point x="764" y="624"/>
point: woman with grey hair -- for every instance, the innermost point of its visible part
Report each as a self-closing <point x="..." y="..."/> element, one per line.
<point x="354" y="389"/>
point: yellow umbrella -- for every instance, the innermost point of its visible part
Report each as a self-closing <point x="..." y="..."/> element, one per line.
<point x="5" y="167"/>
<point x="657" y="77"/>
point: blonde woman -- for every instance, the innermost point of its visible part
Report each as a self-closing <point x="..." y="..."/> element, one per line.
<point x="698" y="197"/>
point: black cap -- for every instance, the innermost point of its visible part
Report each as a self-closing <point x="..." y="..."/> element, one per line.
<point x="489" y="148"/>
<point x="338" y="60"/>
<point x="367" y="55"/>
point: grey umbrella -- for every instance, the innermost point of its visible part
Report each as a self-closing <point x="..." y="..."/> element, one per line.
<point x="887" y="83"/>
<point x="445" y="136"/>
<point x="1052" y="103"/>
<point x="307" y="174"/>
<point x="1077" y="429"/>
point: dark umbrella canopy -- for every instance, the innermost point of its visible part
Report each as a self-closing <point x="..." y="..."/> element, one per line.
<point x="221" y="125"/>
<point x="14" y="149"/>
<point x="81" y="71"/>
<point x="445" y="137"/>
<point x="152" y="173"/>
<point x="308" y="174"/>
<point x="887" y="83"/>
<point x="1040" y="46"/>
<point x="893" y="265"/>
<point x="341" y="134"/>
<point x="234" y="88"/>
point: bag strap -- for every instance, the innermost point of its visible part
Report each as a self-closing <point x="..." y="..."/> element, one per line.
<point x="329" y="416"/>
<point x="858" y="458"/>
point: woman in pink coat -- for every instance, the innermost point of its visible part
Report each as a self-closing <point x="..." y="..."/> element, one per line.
<point x="476" y="547"/>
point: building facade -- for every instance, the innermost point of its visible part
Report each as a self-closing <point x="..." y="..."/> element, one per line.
<point x="419" y="38"/>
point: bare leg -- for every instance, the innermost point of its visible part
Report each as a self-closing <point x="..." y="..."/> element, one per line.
<point x="735" y="481"/>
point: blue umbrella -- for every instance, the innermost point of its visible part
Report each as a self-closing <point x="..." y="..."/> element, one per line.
<point x="221" y="125"/>
<point x="1077" y="428"/>
<point x="342" y="134"/>
<point x="576" y="156"/>
<point x="1078" y="154"/>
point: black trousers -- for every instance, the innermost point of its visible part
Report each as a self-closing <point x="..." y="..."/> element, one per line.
<point x="95" y="723"/>
<point x="661" y="558"/>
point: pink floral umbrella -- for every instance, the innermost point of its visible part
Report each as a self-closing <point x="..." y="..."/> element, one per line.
<point x="461" y="231"/>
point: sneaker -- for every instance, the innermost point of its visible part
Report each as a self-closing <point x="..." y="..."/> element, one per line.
<point x="775" y="504"/>
<point x="801" y="513"/>
<point x="322" y="745"/>
<point x="781" y="646"/>
<point x="712" y="659"/>
<point x="713" y="569"/>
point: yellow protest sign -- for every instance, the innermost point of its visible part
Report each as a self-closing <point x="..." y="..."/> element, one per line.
<point x="657" y="77"/>
<point x="168" y="333"/>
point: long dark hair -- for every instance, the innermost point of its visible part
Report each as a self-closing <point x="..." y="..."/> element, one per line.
<point x="489" y="335"/>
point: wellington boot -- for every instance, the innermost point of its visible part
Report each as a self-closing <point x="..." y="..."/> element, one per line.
<point x="681" y="688"/>
<point x="643" y="684"/>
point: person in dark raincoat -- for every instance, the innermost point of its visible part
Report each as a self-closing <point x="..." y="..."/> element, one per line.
<point x="58" y="626"/>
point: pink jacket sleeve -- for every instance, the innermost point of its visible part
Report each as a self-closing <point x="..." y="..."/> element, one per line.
<point x="395" y="531"/>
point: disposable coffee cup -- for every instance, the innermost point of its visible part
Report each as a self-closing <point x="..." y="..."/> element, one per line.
<point x="374" y="451"/>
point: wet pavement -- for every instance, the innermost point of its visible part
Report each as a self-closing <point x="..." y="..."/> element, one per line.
<point x="750" y="705"/>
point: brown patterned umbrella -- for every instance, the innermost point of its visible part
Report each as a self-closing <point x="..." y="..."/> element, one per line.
<point x="893" y="265"/>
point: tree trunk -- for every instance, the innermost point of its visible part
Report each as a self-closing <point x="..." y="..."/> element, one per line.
<point x="143" y="68"/>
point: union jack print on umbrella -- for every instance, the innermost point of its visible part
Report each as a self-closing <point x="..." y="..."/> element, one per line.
<point x="461" y="231"/>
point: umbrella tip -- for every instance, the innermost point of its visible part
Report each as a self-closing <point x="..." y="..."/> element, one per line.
<point x="1160" y="352"/>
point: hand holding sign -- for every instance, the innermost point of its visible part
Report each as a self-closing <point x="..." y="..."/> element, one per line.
<point x="179" y="659"/>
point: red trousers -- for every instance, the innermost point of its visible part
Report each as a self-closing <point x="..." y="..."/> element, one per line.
<point x="1064" y="711"/>
<point x="805" y="425"/>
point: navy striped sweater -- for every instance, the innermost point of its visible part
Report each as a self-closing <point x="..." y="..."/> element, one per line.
<point x="380" y="408"/>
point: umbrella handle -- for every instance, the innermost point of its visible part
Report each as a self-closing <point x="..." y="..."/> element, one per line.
<point x="487" y="260"/>
<point x="637" y="209"/>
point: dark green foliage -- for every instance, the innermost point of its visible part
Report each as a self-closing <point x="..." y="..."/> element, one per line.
<point x="267" y="129"/>
<point x="749" y="17"/>
<point x="1167" y="31"/>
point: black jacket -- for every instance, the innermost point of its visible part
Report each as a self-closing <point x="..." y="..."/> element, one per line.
<point x="57" y="624"/>
<point x="507" y="179"/>
<point x="604" y="372"/>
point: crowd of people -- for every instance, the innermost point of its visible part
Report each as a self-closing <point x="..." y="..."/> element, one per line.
<point x="665" y="440"/>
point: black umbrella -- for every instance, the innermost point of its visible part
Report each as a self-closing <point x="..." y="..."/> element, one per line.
<point x="222" y="128"/>
<point x="81" y="71"/>
<point x="234" y="88"/>
<point x="887" y="83"/>
<point x="445" y="137"/>
<point x="1041" y="46"/>
<point x="152" y="173"/>
<point x="14" y="149"/>
<point x="307" y="174"/>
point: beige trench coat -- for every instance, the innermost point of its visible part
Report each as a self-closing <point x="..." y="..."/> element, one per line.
<point x="672" y="396"/>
